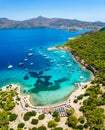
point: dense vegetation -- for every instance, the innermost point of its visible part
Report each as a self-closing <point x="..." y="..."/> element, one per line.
<point x="8" y="100"/>
<point x="91" y="49"/>
<point x="6" y="105"/>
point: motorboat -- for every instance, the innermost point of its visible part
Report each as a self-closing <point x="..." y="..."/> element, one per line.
<point x="30" y="54"/>
<point x="62" y="56"/>
<point x="68" y="61"/>
<point x="52" y="61"/>
<point x="20" y="64"/>
<point x="30" y="49"/>
<point x="10" y="66"/>
<point x="47" y="57"/>
<point x="81" y="77"/>
<point x="25" y="59"/>
<point x="31" y="63"/>
<point x="26" y="69"/>
<point x="69" y="65"/>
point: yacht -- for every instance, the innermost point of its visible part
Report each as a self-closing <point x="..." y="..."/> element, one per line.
<point x="68" y="61"/>
<point x="47" y="57"/>
<point x="31" y="63"/>
<point x="62" y="56"/>
<point x="52" y="61"/>
<point x="30" y="49"/>
<point x="10" y="66"/>
<point x="20" y="64"/>
<point x="69" y="65"/>
<point x="81" y="77"/>
<point x="25" y="59"/>
<point x="30" y="54"/>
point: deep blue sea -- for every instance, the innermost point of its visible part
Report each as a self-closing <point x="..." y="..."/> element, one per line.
<point x="48" y="76"/>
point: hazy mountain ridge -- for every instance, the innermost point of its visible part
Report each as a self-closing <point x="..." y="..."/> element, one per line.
<point x="40" y="21"/>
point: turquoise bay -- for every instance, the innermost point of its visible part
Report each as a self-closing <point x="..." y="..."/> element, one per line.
<point x="48" y="76"/>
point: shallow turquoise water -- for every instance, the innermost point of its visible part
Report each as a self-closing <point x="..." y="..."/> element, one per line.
<point x="49" y="76"/>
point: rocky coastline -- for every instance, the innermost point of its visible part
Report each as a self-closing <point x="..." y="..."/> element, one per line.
<point x="78" y="59"/>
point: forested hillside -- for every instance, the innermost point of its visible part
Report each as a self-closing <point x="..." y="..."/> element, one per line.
<point x="91" y="48"/>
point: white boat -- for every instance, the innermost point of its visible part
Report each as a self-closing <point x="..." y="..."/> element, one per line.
<point x="47" y="57"/>
<point x="10" y="66"/>
<point x="68" y="61"/>
<point x="81" y="77"/>
<point x="25" y="59"/>
<point x="69" y="65"/>
<point x="52" y="61"/>
<point x="31" y="63"/>
<point x="62" y="56"/>
<point x="21" y="64"/>
<point x="30" y="54"/>
<point x="30" y="49"/>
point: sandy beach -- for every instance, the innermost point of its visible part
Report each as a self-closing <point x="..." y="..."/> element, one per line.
<point x="21" y="108"/>
<point x="51" y="48"/>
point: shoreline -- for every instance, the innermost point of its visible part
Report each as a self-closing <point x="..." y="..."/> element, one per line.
<point x="81" y="62"/>
<point x="20" y="109"/>
<point x="67" y="103"/>
<point x="24" y="105"/>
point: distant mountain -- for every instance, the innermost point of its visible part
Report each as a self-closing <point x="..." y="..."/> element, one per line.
<point x="59" y="23"/>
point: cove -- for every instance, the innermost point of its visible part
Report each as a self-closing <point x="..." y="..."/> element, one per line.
<point x="48" y="76"/>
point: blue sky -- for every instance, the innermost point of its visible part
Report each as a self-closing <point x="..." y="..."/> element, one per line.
<point x="87" y="10"/>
